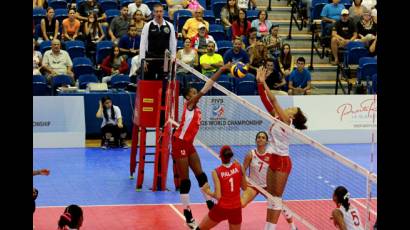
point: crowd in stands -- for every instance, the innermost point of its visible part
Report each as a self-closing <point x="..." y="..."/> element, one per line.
<point x="252" y="38"/>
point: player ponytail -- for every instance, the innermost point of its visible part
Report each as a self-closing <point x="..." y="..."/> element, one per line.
<point x="342" y="196"/>
<point x="299" y="120"/>
<point x="72" y="217"/>
<point x="226" y="154"/>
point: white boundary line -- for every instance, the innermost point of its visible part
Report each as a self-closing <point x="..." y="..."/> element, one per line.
<point x="176" y="210"/>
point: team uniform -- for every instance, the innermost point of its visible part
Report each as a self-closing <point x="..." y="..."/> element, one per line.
<point x="351" y="218"/>
<point x="183" y="138"/>
<point x="280" y="160"/>
<point x="258" y="167"/>
<point x="229" y="205"/>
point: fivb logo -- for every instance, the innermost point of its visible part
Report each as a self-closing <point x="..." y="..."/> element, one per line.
<point x="218" y="109"/>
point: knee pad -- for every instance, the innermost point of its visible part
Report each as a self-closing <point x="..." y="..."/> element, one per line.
<point x="275" y="203"/>
<point x="185" y="186"/>
<point x="202" y="179"/>
<point x="286" y="213"/>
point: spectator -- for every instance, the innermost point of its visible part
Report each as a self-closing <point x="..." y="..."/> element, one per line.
<point x="138" y="21"/>
<point x="257" y="55"/>
<point x="93" y="34"/>
<point x="36" y="60"/>
<point x="369" y="4"/>
<point x="57" y="61"/>
<point x="90" y="7"/>
<point x="112" y="127"/>
<point x="71" y="218"/>
<point x="71" y="27"/>
<point x="193" y="5"/>
<point x="262" y="24"/>
<point x="274" y="79"/>
<point x="241" y="27"/>
<point x="191" y="26"/>
<point x="273" y="42"/>
<point x="244" y="4"/>
<point x="119" y="25"/>
<point x="189" y="56"/>
<point x="49" y="27"/>
<point x="43" y="172"/>
<point x="343" y="32"/>
<point x="356" y="10"/>
<point x="138" y="5"/>
<point x="174" y="5"/>
<point x="251" y="39"/>
<point x="286" y="61"/>
<point x="130" y="44"/>
<point x="330" y="14"/>
<point x="366" y="28"/>
<point x="114" y="64"/>
<point x="300" y="79"/>
<point x="236" y="54"/>
<point x="39" y="3"/>
<point x="201" y="40"/>
<point x="229" y="14"/>
<point x="211" y="61"/>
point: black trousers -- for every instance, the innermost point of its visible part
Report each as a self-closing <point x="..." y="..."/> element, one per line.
<point x="155" y="70"/>
<point x="115" y="131"/>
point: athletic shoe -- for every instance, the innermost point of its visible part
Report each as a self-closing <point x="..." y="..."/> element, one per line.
<point x="190" y="221"/>
<point x="210" y="204"/>
<point x="105" y="145"/>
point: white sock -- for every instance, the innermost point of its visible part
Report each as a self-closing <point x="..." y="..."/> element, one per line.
<point x="206" y="196"/>
<point x="293" y="226"/>
<point x="184" y="200"/>
<point x="270" y="226"/>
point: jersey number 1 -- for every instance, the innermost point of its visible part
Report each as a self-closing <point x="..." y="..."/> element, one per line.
<point x="231" y="183"/>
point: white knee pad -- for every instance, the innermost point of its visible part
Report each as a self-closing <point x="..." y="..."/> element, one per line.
<point x="286" y="213"/>
<point x="275" y="203"/>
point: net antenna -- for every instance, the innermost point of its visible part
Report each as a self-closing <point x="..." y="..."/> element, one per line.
<point x="317" y="169"/>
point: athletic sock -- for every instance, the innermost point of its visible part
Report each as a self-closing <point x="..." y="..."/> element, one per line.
<point x="270" y="226"/>
<point x="185" y="200"/>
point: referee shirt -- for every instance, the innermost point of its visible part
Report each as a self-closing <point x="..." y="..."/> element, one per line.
<point x="144" y="37"/>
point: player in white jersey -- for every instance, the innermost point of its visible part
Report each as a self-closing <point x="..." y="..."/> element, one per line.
<point x="345" y="216"/>
<point x="257" y="160"/>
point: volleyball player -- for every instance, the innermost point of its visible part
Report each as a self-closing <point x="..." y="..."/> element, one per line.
<point x="345" y="216"/>
<point x="257" y="160"/>
<point x="183" y="150"/>
<point x="228" y="178"/>
<point x="280" y="163"/>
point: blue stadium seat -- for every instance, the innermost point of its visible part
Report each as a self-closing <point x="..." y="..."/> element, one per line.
<point x="246" y="88"/>
<point x="216" y="6"/>
<point x="252" y="15"/>
<point x="103" y="49"/>
<point x="75" y="48"/>
<point x="180" y="17"/>
<point x="109" y="5"/>
<point x="57" y="4"/>
<point x="203" y="4"/>
<point x="217" y="31"/>
<point x="354" y="51"/>
<point x="226" y="84"/>
<point x="60" y="80"/>
<point x="180" y="44"/>
<point x="40" y="87"/>
<point x="60" y="14"/>
<point x="151" y="3"/>
<point x="37" y="31"/>
<point x="248" y="77"/>
<point x="209" y="16"/>
<point x="38" y="14"/>
<point x="166" y="15"/>
<point x="374" y="84"/>
<point x="223" y="46"/>
<point x="367" y="68"/>
<point x="83" y="80"/>
<point x="44" y="46"/>
<point x="39" y="78"/>
<point x="316" y="10"/>
<point x="125" y="2"/>
<point x="79" y="2"/>
<point x="120" y="81"/>
<point x="82" y="65"/>
<point x="111" y="14"/>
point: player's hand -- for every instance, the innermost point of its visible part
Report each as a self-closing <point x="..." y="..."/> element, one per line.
<point x="226" y="67"/>
<point x="44" y="172"/>
<point x="261" y="74"/>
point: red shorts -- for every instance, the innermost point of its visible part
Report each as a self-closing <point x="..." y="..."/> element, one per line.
<point x="218" y="214"/>
<point x="280" y="163"/>
<point x="181" y="148"/>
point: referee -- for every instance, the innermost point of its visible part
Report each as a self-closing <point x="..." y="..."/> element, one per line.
<point x="157" y="36"/>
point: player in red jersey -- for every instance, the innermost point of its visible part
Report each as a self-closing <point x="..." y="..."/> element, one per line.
<point x="280" y="164"/>
<point x="183" y="150"/>
<point x="228" y="178"/>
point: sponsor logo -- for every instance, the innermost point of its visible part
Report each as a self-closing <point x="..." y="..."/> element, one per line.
<point x="41" y="123"/>
<point x="366" y="109"/>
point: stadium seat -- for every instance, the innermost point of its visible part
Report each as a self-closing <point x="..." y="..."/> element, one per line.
<point x="125" y="2"/>
<point x="111" y="14"/>
<point x="60" y="80"/>
<point x="374" y="84"/>
<point x="166" y="15"/>
<point x="151" y="3"/>
<point x="209" y="16"/>
<point x="246" y="88"/>
<point x="40" y="87"/>
<point x="38" y="14"/>
<point x="180" y="17"/>
<point x="180" y="44"/>
<point x="82" y="65"/>
<point x="316" y="10"/>
<point x="223" y="46"/>
<point x="44" y="46"/>
<point x="252" y="15"/>
<point x="109" y="5"/>
<point x="75" y="48"/>
<point x="37" y="31"/>
<point x="367" y="68"/>
<point x="61" y="14"/>
<point x="103" y="49"/>
<point x="83" y="80"/>
<point x="217" y="31"/>
<point x="354" y="51"/>
<point x="57" y="4"/>
<point x="120" y="81"/>
<point x="216" y="6"/>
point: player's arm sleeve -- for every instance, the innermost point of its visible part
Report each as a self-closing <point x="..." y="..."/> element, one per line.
<point x="144" y="41"/>
<point x="264" y="98"/>
<point x="172" y="41"/>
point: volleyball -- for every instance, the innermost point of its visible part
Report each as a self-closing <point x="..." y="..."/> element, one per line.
<point x="239" y="70"/>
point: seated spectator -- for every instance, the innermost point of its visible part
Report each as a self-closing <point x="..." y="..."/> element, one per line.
<point x="251" y="39"/>
<point x="137" y="20"/>
<point x="244" y="4"/>
<point x="241" y="26"/>
<point x="189" y="56"/>
<point x="193" y="5"/>
<point x="174" y="5"/>
<point x="257" y="55"/>
<point x="273" y="42"/>
<point x="262" y="24"/>
<point x="286" y="62"/>
<point x="356" y="11"/>
<point x="36" y="60"/>
<point x="119" y="25"/>
<point x="300" y="79"/>
<point x="229" y="14"/>
<point x="43" y="172"/>
<point x="330" y="15"/>
<point x="236" y="54"/>
<point x="90" y="7"/>
<point x="49" y="27"/>
<point x="274" y="79"/>
<point x="71" y="27"/>
<point x="201" y="40"/>
<point x="114" y="64"/>
<point x="143" y="8"/>
<point x="72" y="218"/>
<point x="343" y="32"/>
<point x="112" y="127"/>
<point x="39" y="3"/>
<point x="366" y="28"/>
<point x="93" y="34"/>
<point x="211" y="61"/>
<point x="190" y="28"/>
<point x="130" y="44"/>
<point x="57" y="61"/>
<point x="369" y="4"/>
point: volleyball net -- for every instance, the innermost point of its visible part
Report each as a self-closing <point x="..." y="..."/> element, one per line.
<point x="228" y="119"/>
